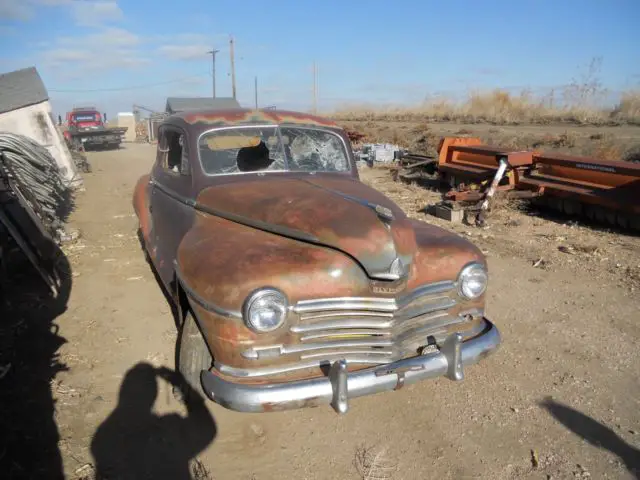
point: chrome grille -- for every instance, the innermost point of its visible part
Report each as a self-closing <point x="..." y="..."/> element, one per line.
<point x="367" y="330"/>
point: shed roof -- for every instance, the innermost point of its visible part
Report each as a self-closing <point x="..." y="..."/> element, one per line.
<point x="182" y="104"/>
<point x="21" y="88"/>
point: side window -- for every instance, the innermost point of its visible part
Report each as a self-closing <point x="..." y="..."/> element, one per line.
<point x="173" y="149"/>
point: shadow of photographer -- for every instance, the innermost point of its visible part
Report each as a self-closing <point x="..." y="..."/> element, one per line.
<point x="134" y="442"/>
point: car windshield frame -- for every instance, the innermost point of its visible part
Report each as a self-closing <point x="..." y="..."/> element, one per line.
<point x="277" y="127"/>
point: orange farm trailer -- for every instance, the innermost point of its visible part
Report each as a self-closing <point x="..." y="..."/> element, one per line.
<point x="602" y="190"/>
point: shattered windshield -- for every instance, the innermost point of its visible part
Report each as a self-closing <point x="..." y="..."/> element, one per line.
<point x="252" y="149"/>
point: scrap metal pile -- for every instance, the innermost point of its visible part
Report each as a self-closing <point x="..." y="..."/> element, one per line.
<point x="34" y="204"/>
<point x="601" y="190"/>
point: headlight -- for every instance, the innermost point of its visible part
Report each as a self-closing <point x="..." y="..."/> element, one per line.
<point x="265" y="310"/>
<point x="473" y="281"/>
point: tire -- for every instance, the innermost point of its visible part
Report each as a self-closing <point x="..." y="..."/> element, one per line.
<point x="193" y="353"/>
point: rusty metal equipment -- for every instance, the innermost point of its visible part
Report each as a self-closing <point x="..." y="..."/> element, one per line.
<point x="602" y="190"/>
<point x="354" y="136"/>
<point x="411" y="166"/>
<point x="468" y="167"/>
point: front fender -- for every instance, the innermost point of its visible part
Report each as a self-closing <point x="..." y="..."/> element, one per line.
<point x="220" y="263"/>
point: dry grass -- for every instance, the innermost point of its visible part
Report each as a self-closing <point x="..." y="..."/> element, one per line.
<point x="628" y="110"/>
<point x="422" y="138"/>
<point x="199" y="470"/>
<point x="504" y="108"/>
<point x="374" y="463"/>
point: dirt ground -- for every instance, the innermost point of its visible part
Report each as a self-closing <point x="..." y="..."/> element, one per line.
<point x="560" y="399"/>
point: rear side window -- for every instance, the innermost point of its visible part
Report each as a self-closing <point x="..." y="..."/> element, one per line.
<point x="173" y="151"/>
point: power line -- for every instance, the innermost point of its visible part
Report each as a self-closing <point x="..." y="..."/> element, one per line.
<point x="132" y="87"/>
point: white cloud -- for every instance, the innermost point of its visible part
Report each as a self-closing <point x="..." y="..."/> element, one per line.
<point x="106" y="49"/>
<point x="14" y="10"/>
<point x="96" y="13"/>
<point x="52" y="3"/>
<point x="184" y="52"/>
<point x="191" y="46"/>
<point x="114" y="47"/>
<point x="110" y="37"/>
<point x="84" y="12"/>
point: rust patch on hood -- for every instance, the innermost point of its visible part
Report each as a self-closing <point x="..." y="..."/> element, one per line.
<point x="337" y="214"/>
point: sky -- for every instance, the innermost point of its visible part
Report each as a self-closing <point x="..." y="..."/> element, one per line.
<point x="115" y="54"/>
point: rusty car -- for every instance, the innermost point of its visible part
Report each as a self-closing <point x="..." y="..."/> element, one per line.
<point x="295" y="284"/>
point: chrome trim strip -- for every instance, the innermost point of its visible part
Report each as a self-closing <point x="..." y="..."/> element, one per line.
<point x="346" y="303"/>
<point x="426" y="290"/>
<point x="343" y="326"/>
<point x="346" y="353"/>
<point x="207" y="305"/>
<point x="289" y="395"/>
<point x="373" y="303"/>
<point x="352" y="350"/>
<point x="331" y="333"/>
<point x="306" y="317"/>
<point x="172" y="193"/>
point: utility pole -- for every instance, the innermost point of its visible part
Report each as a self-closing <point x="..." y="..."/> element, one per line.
<point x="213" y="56"/>
<point x="255" y="89"/>
<point x="233" y="68"/>
<point x="315" y="89"/>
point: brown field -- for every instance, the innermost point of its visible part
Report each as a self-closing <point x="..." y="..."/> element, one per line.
<point x="503" y="108"/>
<point x="605" y="142"/>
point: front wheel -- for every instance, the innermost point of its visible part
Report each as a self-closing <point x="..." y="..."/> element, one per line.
<point x="193" y="353"/>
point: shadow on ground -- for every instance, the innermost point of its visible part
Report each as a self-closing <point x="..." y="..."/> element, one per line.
<point x="29" y="363"/>
<point x="136" y="443"/>
<point x="595" y="433"/>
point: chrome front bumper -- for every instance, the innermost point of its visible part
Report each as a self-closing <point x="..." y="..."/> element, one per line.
<point x="340" y="386"/>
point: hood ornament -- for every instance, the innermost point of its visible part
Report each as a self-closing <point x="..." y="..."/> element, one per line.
<point x="398" y="269"/>
<point x="383" y="212"/>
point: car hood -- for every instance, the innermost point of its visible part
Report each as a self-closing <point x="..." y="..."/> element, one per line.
<point x="338" y="213"/>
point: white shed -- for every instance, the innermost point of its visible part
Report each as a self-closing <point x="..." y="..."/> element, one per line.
<point x="127" y="119"/>
<point x="25" y="110"/>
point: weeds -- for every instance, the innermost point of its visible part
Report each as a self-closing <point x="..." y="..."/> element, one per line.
<point x="374" y="463"/>
<point x="500" y="107"/>
<point x="199" y="471"/>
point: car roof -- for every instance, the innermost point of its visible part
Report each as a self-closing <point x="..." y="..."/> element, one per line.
<point x="208" y="118"/>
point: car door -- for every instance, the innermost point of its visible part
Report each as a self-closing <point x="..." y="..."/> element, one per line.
<point x="171" y="190"/>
